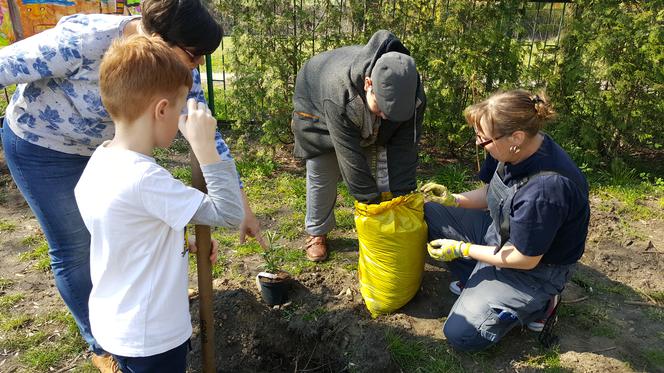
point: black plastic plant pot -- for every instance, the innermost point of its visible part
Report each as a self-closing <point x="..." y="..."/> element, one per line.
<point x="274" y="287"/>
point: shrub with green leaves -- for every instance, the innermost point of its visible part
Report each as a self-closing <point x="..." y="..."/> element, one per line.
<point x="603" y="70"/>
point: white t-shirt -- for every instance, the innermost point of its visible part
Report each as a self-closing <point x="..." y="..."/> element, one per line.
<point x="136" y="212"/>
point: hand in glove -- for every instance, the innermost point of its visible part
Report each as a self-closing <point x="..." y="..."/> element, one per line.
<point x="439" y="194"/>
<point x="447" y="250"/>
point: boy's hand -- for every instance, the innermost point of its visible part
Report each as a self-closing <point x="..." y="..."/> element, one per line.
<point x="199" y="127"/>
<point x="213" y="252"/>
<point x="439" y="194"/>
<point x="251" y="227"/>
<point x="446" y="250"/>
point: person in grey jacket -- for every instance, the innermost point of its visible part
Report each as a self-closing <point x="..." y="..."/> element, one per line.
<point x="358" y="114"/>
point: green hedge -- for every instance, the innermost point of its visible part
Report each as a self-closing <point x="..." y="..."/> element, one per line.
<point x="604" y="71"/>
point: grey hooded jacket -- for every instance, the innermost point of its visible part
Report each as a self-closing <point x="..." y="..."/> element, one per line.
<point x="330" y="114"/>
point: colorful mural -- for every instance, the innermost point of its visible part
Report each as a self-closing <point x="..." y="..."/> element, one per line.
<point x="35" y="16"/>
<point x="6" y="29"/>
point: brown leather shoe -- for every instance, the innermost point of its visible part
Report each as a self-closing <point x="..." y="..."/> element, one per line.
<point x="316" y="248"/>
<point x="105" y="363"/>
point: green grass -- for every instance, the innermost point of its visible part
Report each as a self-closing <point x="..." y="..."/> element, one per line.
<point x="589" y="283"/>
<point x="345" y="198"/>
<point x="179" y="146"/>
<point x="226" y="237"/>
<point x="456" y="177"/>
<point x="164" y="155"/>
<point x="630" y="200"/>
<point x="7" y="226"/>
<point x="10" y="300"/>
<point x="351" y="266"/>
<point x="38" y="254"/>
<point x="218" y="268"/>
<point x="655" y="314"/>
<point x="630" y="187"/>
<point x="11" y="320"/>
<point x="42" y="354"/>
<point x="657" y="296"/>
<point x="160" y="155"/>
<point x="32" y="240"/>
<point x="296" y="191"/>
<point x="5" y="284"/>
<point x="548" y="361"/>
<point x="590" y="317"/>
<point x="17" y="341"/>
<point x="9" y="323"/>
<point x="183" y="174"/>
<point x="416" y="356"/>
<point x="292" y="226"/>
<point x="314" y="314"/>
<point x="248" y="248"/>
<point x="345" y="218"/>
<point x="654" y="357"/>
<point x="257" y="167"/>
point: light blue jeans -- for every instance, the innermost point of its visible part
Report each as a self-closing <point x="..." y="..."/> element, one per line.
<point x="47" y="178"/>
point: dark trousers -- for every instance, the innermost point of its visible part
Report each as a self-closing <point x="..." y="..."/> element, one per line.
<point x="494" y="300"/>
<point x="171" y="361"/>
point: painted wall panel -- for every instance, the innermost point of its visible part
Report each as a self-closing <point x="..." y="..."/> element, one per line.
<point x="35" y="16"/>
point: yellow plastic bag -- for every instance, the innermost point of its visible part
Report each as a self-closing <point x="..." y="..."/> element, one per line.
<point x="392" y="238"/>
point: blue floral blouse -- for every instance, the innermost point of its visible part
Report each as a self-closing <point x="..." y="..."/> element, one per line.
<point x="57" y="103"/>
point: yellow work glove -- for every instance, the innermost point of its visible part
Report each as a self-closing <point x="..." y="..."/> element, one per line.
<point x="447" y="250"/>
<point x="438" y="193"/>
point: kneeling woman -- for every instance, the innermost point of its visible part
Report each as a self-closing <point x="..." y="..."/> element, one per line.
<point x="512" y="263"/>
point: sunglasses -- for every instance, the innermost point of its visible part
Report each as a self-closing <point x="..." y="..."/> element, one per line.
<point x="481" y="142"/>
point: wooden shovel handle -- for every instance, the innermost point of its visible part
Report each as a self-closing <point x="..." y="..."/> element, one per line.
<point x="204" y="269"/>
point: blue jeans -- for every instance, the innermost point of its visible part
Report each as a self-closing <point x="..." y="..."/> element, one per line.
<point x="47" y="178"/>
<point x="171" y="361"/>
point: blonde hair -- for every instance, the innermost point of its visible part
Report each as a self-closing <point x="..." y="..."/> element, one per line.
<point x="137" y="69"/>
<point x="511" y="111"/>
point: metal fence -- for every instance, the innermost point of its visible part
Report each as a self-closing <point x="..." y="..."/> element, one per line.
<point x="542" y="25"/>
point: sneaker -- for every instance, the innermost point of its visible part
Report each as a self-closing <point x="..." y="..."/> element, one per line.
<point x="538" y="325"/>
<point x="456" y="287"/>
<point x="105" y="363"/>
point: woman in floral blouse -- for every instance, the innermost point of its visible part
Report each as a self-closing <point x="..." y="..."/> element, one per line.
<point x="55" y="120"/>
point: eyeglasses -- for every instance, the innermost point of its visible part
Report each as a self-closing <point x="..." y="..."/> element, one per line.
<point x="481" y="142"/>
<point x="192" y="56"/>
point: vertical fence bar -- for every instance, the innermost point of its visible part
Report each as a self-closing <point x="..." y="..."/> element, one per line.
<point x="532" y="35"/>
<point x="560" y="25"/>
<point x="560" y="30"/>
<point x="341" y="16"/>
<point x="546" y="40"/>
<point x="314" y="24"/>
<point x="210" y="82"/>
<point x="223" y="77"/>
